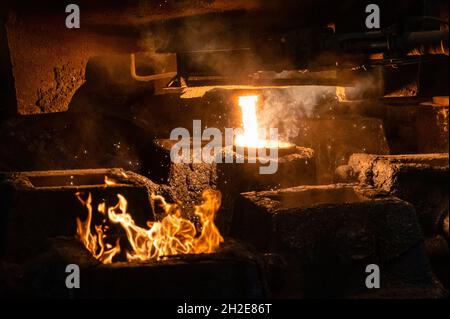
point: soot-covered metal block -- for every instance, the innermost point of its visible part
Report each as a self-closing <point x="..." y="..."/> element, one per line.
<point x="295" y="166"/>
<point x="185" y="181"/>
<point x="329" y="234"/>
<point x="38" y="205"/>
<point x="421" y="179"/>
<point x="232" y="271"/>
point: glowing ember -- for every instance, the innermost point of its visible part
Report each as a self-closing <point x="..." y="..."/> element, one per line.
<point x="173" y="235"/>
<point x="251" y="137"/>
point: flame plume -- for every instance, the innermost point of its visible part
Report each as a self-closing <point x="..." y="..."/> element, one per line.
<point x="173" y="235"/>
<point x="94" y="241"/>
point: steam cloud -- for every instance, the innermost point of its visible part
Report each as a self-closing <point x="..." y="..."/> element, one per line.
<point x="284" y="108"/>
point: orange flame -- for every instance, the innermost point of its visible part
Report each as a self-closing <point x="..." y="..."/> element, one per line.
<point x="173" y="235"/>
<point x="109" y="181"/>
<point x="94" y="241"/>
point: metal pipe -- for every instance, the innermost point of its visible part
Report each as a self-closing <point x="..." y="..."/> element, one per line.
<point x="147" y="78"/>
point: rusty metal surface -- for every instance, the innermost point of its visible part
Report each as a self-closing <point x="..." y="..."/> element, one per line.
<point x="49" y="61"/>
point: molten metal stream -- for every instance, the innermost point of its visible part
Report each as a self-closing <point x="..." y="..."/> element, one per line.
<point x="250" y="137"/>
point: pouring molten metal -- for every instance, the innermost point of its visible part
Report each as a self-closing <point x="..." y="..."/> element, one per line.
<point x="251" y="136"/>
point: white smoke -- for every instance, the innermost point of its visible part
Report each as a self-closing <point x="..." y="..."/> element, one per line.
<point x="284" y="108"/>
